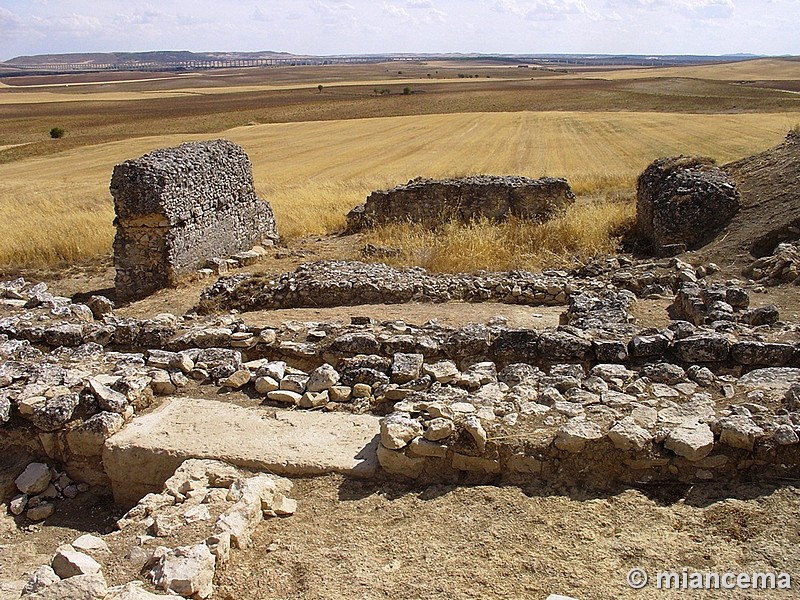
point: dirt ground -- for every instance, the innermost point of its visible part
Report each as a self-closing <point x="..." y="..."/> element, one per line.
<point x="351" y="539"/>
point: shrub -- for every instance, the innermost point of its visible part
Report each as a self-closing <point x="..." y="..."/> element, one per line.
<point x="57" y="132"/>
<point x="406" y="91"/>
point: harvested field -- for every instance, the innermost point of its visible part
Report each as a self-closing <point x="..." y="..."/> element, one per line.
<point x="328" y="167"/>
<point x="95" y="110"/>
<point x="764" y="68"/>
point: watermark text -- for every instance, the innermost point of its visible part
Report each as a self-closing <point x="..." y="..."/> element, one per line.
<point x="688" y="579"/>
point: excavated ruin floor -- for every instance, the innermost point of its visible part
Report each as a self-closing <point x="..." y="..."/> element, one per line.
<point x="356" y="538"/>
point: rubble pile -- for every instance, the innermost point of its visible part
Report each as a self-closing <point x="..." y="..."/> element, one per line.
<point x="782" y="266"/>
<point x="183" y="536"/>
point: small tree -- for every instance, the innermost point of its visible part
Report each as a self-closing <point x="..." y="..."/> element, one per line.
<point x="319" y="87"/>
<point x="57" y="132"/>
<point x="406" y="91"/>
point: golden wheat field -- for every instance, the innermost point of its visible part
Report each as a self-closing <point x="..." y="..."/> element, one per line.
<point x="58" y="208"/>
<point x="758" y="69"/>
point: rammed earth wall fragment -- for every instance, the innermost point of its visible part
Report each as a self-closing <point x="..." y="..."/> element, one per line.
<point x="430" y="202"/>
<point x="178" y="207"/>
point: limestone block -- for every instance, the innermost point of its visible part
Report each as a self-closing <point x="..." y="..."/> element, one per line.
<point x="443" y="371"/>
<point x="34" y="479"/>
<point x="574" y="434"/>
<point x="187" y="570"/>
<point x="80" y="587"/>
<point x="89" y="437"/>
<point x="41" y="578"/>
<point x="406" y="367"/>
<point x="739" y="431"/>
<point x="131" y="591"/>
<point x="397" y="463"/>
<point x="398" y="430"/>
<point x="626" y="435"/>
<point x="692" y="440"/>
<point x="68" y="562"/>
<point x="322" y="378"/>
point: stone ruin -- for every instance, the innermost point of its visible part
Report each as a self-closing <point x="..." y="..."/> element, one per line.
<point x="598" y="400"/>
<point x="179" y="207"/>
<point x="714" y="396"/>
<point x="431" y="202"/>
<point x="682" y="202"/>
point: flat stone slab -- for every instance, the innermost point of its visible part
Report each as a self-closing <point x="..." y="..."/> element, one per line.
<point x="141" y="457"/>
<point x="772" y="378"/>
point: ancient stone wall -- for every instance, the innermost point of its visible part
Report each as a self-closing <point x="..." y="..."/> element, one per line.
<point x="596" y="399"/>
<point x="178" y="207"/>
<point x="682" y="202"/>
<point x="430" y="202"/>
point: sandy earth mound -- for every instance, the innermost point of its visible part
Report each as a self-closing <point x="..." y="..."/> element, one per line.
<point x="770" y="206"/>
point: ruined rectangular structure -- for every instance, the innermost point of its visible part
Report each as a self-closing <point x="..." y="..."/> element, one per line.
<point x="178" y="207"/>
<point x="431" y="202"/>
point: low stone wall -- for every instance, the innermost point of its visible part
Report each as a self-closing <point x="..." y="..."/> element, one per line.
<point x="178" y="207"/>
<point x="607" y="426"/>
<point x="432" y="202"/>
<point x="73" y="374"/>
<point x="682" y="202"/>
<point x="347" y="283"/>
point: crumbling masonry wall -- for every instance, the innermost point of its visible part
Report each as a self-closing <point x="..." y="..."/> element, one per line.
<point x="682" y="203"/>
<point x="430" y="202"/>
<point x="178" y="207"/>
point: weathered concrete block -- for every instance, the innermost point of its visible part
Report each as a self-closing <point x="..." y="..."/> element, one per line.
<point x="178" y="207"/>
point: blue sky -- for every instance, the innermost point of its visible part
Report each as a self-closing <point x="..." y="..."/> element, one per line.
<point x="375" y="26"/>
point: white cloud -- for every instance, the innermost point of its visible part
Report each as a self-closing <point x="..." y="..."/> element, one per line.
<point x="508" y="6"/>
<point x="545" y="10"/>
<point x="695" y="9"/>
<point x="424" y="14"/>
<point x="553" y="9"/>
<point x="332" y="7"/>
<point x="396" y="12"/>
<point x="259" y="15"/>
<point x="419" y="3"/>
<point x="148" y="15"/>
<point x="335" y="14"/>
<point x="73" y="24"/>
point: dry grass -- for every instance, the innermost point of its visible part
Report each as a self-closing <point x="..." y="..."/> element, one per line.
<point x="754" y="70"/>
<point x="587" y="229"/>
<point x="52" y="224"/>
<point x="57" y="207"/>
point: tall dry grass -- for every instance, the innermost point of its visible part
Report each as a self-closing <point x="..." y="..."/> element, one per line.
<point x="588" y="228"/>
<point x="52" y="225"/>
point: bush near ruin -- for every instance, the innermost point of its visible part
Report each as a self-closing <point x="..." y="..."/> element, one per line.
<point x="431" y="202"/>
<point x="682" y="202"/>
<point x="178" y="207"/>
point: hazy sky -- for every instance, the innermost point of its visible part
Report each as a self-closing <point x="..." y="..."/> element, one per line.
<point x="374" y="26"/>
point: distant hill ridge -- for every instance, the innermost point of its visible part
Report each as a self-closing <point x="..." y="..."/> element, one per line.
<point x="158" y="56"/>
